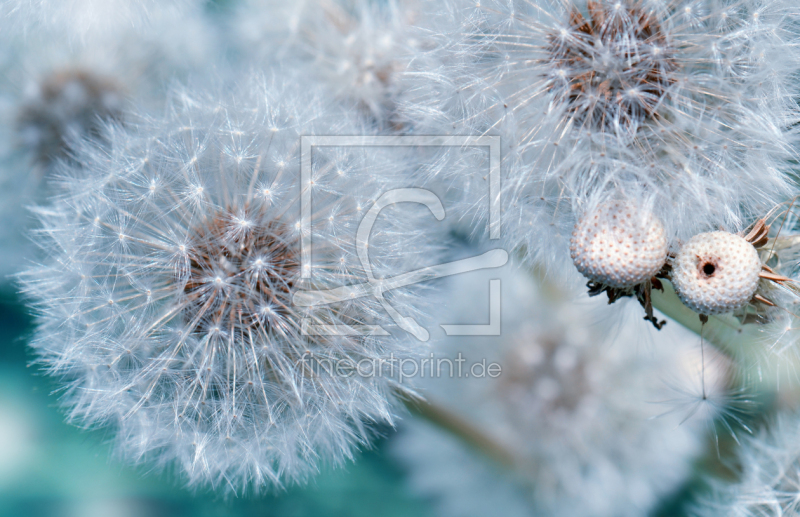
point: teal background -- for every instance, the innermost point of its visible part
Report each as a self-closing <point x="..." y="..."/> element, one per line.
<point x="51" y="468"/>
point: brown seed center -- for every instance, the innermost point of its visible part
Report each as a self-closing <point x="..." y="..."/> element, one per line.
<point x="242" y="271"/>
<point x="614" y="68"/>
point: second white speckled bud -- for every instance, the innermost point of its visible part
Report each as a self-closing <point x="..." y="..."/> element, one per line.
<point x="618" y="245"/>
<point x="716" y="272"/>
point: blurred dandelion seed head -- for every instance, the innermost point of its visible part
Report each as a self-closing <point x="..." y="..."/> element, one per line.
<point x="357" y="49"/>
<point x="66" y="105"/>
<point x="573" y="406"/>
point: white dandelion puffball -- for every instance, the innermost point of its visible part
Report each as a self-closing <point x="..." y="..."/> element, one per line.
<point x="688" y="102"/>
<point x="618" y="245"/>
<point x="571" y="404"/>
<point x="166" y="301"/>
<point x="716" y="272"/>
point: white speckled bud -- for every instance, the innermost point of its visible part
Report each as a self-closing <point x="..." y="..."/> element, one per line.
<point x="716" y="272"/>
<point x="618" y="245"/>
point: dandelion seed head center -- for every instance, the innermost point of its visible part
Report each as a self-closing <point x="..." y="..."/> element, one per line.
<point x="614" y="68"/>
<point x="223" y="288"/>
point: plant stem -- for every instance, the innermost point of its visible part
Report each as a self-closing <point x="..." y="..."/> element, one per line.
<point x="448" y="421"/>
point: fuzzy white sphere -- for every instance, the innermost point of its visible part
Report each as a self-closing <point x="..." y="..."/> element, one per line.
<point x="167" y="298"/>
<point x="618" y="245"/>
<point x="716" y="272"/>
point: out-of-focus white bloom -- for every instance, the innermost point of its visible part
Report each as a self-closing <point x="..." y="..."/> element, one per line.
<point x="166" y="302"/>
<point x="66" y="104"/>
<point x="358" y="48"/>
<point x="573" y="406"/>
<point x="666" y="105"/>
<point x="133" y="62"/>
<point x="769" y="479"/>
<point x="88" y="17"/>
<point x="56" y="90"/>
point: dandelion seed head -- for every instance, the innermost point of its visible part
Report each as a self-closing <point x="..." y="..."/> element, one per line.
<point x="603" y="58"/>
<point x="67" y="75"/>
<point x="171" y="316"/>
<point x="245" y="291"/>
<point x="68" y="102"/>
<point x="663" y="104"/>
